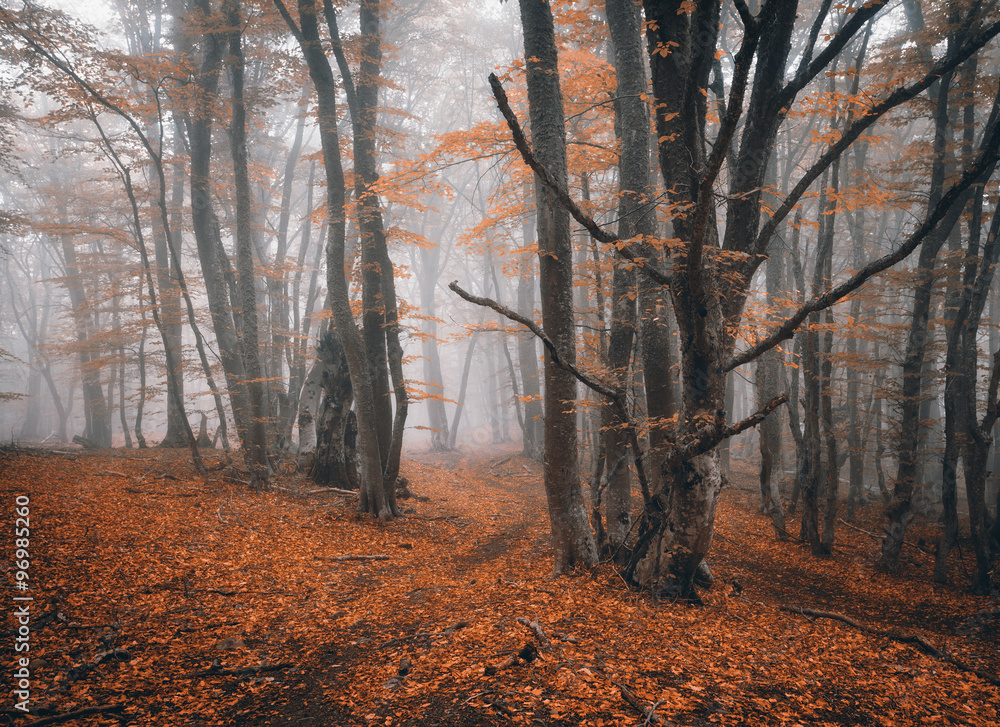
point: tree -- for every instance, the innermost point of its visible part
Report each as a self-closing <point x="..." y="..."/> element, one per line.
<point x="709" y="276"/>
<point x="375" y="496"/>
<point x="571" y="534"/>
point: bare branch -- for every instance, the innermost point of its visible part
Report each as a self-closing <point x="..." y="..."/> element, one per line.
<point x="980" y="168"/>
<point x="542" y="335"/>
<point x="716" y="433"/>
<point x="615" y="396"/>
<point x="807" y="72"/>
<point x="851" y="133"/>
<point x="595" y="230"/>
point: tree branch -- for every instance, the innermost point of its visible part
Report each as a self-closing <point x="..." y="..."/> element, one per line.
<point x="615" y="396"/>
<point x="851" y="134"/>
<point x="807" y="72"/>
<point x="595" y="230"/>
<point x="711" y="436"/>
<point x="289" y="21"/>
<point x="537" y="330"/>
<point x="981" y="167"/>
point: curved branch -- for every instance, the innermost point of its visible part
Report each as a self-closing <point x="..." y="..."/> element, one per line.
<point x="614" y="395"/>
<point x="716" y="433"/>
<point x="595" y="230"/>
<point x="851" y="134"/>
<point x="542" y="335"/>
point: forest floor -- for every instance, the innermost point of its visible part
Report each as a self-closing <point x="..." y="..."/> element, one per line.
<point x="170" y="599"/>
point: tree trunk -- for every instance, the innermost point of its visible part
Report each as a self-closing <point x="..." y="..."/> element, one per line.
<point x="571" y="534"/>
<point x="795" y="273"/>
<point x="463" y="387"/>
<point x="373" y="497"/>
<point x="678" y="523"/>
<point x="95" y="408"/>
<point x="255" y="446"/>
<point x="898" y="511"/>
<point x="170" y="305"/>
<point x="636" y="217"/>
<point x="206" y="225"/>
<point x="330" y="463"/>
<point x="527" y="358"/>
<point x="769" y="385"/>
<point x="433" y="376"/>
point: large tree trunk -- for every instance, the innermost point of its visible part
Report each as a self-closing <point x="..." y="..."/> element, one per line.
<point x="378" y="293"/>
<point x="330" y="463"/>
<point x="256" y="443"/>
<point x="206" y="224"/>
<point x="678" y="524"/>
<point x="373" y="497"/>
<point x="571" y="534"/>
<point x="636" y="217"/>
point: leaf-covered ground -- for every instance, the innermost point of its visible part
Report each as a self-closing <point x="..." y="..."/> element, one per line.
<point x="191" y="602"/>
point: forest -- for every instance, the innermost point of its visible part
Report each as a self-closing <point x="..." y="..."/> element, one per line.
<point x="444" y="362"/>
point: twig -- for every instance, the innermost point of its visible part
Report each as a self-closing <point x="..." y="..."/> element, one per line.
<point x="537" y="629"/>
<point x="878" y="537"/>
<point x="77" y="713"/>
<point x="245" y="671"/>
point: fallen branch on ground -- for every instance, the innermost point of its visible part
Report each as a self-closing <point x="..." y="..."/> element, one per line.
<point x="537" y="629"/>
<point x="319" y="491"/>
<point x="75" y="714"/>
<point x="527" y="654"/>
<point x="245" y="671"/>
<point x="912" y="639"/>
<point x="878" y="537"/>
<point x="503" y="461"/>
<point x="648" y="712"/>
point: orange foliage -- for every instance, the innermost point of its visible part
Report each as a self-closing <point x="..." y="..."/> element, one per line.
<point x="196" y="580"/>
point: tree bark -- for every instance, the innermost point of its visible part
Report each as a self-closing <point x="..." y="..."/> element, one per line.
<point x="636" y="217"/>
<point x="330" y="463"/>
<point x="572" y="538"/>
<point x="256" y="445"/>
<point x="205" y="223"/>
<point x="373" y="497"/>
<point x="527" y="354"/>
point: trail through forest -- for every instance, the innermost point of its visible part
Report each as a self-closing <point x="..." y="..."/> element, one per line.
<point x="162" y="598"/>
